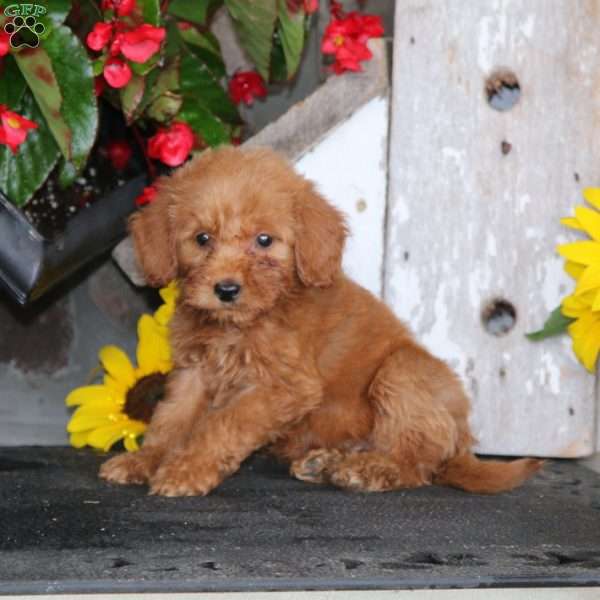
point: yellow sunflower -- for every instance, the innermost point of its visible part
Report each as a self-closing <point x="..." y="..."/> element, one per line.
<point x="121" y="407"/>
<point x="583" y="264"/>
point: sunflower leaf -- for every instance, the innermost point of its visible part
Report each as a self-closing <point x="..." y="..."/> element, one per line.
<point x="555" y="324"/>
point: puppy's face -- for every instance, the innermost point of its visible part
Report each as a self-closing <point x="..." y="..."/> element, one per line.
<point x="241" y="230"/>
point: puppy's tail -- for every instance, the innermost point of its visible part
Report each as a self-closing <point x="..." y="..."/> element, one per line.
<point x="469" y="473"/>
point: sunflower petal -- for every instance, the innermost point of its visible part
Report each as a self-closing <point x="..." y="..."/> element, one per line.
<point x="586" y="346"/>
<point x="117" y="364"/>
<point x="86" y="422"/>
<point x="130" y="442"/>
<point x="78" y="439"/>
<point x="590" y="221"/>
<point x="99" y="409"/>
<point x="105" y="437"/>
<point x="88" y="393"/>
<point x="576" y="306"/>
<point x="571" y="222"/>
<point x="170" y="293"/>
<point x="573" y="269"/>
<point x="585" y="252"/>
<point x="153" y="349"/>
<point x="592" y="195"/>
<point x="589" y="280"/>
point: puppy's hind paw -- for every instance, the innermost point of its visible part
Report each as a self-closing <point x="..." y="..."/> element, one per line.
<point x="314" y="466"/>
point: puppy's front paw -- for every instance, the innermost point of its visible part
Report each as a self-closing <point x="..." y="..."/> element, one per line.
<point x="133" y="467"/>
<point x="184" y="477"/>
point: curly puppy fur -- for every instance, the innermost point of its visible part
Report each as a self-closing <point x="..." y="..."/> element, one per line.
<point x="303" y="361"/>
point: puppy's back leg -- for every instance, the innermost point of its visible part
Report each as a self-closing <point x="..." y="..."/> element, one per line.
<point x="420" y="413"/>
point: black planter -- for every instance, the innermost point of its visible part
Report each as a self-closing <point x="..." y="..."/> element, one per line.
<point x="30" y="264"/>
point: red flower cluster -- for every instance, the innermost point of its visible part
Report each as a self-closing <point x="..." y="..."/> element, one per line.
<point x="137" y="45"/>
<point x="13" y="128"/>
<point x="123" y="8"/>
<point x="172" y="145"/>
<point x="4" y="43"/>
<point x="308" y="6"/>
<point x="119" y="153"/>
<point x="346" y="38"/>
<point x="246" y="85"/>
<point x="146" y="197"/>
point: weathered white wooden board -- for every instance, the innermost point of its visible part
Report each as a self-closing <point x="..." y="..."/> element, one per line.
<point x="468" y="223"/>
<point x="349" y="167"/>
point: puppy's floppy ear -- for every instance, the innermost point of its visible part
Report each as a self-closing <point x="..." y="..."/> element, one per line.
<point x="320" y="236"/>
<point x="153" y="239"/>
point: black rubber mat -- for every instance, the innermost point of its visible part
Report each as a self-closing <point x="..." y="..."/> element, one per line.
<point x="64" y="530"/>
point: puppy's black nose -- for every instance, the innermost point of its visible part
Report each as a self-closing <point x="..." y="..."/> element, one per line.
<point x="227" y="290"/>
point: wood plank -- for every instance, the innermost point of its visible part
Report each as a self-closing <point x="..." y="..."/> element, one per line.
<point x="468" y="223"/>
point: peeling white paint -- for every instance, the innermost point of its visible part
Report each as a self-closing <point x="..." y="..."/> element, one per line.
<point x="552" y="372"/>
<point x="522" y="202"/>
<point x="492" y="231"/>
<point x="360" y="174"/>
<point x="551" y="275"/>
<point x="490" y="244"/>
<point x="438" y="339"/>
<point x="527" y="27"/>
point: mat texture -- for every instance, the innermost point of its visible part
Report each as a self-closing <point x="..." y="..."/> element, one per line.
<point x="64" y="530"/>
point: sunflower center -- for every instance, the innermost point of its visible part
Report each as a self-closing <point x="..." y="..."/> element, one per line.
<point x="142" y="398"/>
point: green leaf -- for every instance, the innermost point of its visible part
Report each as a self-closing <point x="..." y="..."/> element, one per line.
<point x="23" y="173"/>
<point x="67" y="173"/>
<point x="61" y="78"/>
<point x="73" y="69"/>
<point x="36" y="68"/>
<point x="213" y="130"/>
<point x="98" y="66"/>
<point x="196" y="11"/>
<point x="165" y="107"/>
<point x="131" y="97"/>
<point x="198" y="83"/>
<point x="206" y="47"/>
<point x="11" y="94"/>
<point x="58" y="10"/>
<point x="291" y="33"/>
<point x="279" y="70"/>
<point x="555" y="324"/>
<point x="254" y="21"/>
<point x="150" y="11"/>
<point x="159" y="82"/>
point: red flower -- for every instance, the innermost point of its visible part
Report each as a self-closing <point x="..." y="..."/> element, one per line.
<point x="13" y="128"/>
<point x="142" y="42"/>
<point x="121" y="7"/>
<point x="4" y="43"/>
<point x="246" y="85"/>
<point x="98" y="86"/>
<point x="311" y="6"/>
<point x="119" y="153"/>
<point x="146" y="197"/>
<point x="346" y="38"/>
<point x="173" y="145"/>
<point x="117" y="73"/>
<point x="99" y="36"/>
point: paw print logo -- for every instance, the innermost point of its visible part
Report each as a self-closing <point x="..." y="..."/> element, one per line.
<point x="24" y="31"/>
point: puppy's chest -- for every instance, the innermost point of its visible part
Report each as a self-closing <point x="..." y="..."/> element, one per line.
<point x="233" y="362"/>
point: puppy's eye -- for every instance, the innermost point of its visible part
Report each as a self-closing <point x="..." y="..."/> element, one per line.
<point x="202" y="239"/>
<point x="264" y="240"/>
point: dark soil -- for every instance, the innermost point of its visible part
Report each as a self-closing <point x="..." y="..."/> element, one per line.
<point x="51" y="207"/>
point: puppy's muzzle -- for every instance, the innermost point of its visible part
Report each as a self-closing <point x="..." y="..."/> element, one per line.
<point x="227" y="290"/>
